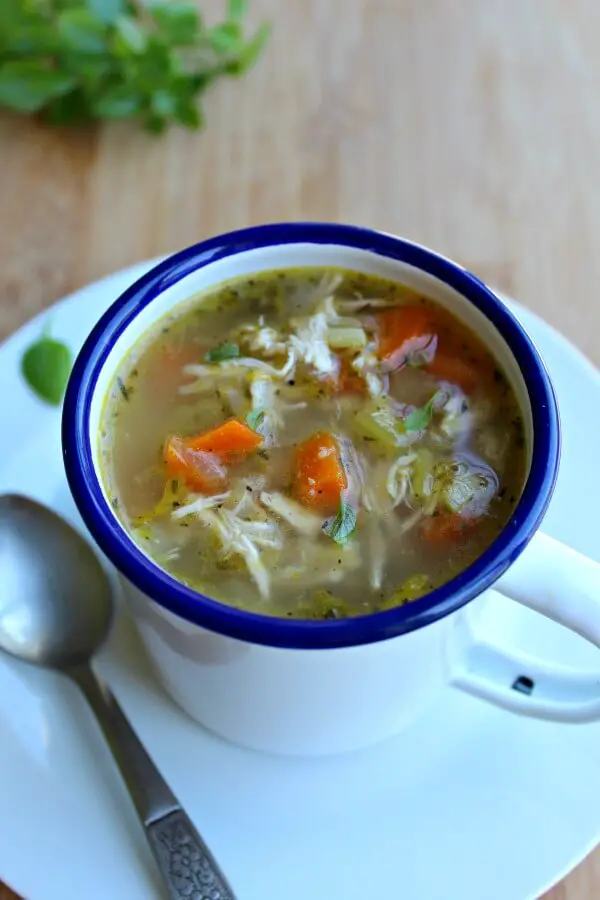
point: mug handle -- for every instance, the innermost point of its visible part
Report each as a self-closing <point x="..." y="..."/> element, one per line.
<point x="561" y="584"/>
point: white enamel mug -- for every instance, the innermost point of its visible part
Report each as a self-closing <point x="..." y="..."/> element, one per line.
<point x="290" y="686"/>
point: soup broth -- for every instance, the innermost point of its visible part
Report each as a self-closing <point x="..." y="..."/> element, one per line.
<point x="313" y="443"/>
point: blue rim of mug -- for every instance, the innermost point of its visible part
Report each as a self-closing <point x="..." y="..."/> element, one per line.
<point x="251" y="627"/>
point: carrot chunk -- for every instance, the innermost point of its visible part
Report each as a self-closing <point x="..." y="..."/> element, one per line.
<point x="231" y="442"/>
<point x="319" y="476"/>
<point x="445" y="529"/>
<point x="452" y="368"/>
<point x="349" y="381"/>
<point x="404" y="329"/>
<point x="201" y="471"/>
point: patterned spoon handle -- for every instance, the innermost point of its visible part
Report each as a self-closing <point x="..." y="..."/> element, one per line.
<point x="188" y="868"/>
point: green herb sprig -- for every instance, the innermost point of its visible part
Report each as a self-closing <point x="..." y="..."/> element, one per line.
<point x="224" y="351"/>
<point x="255" y="418"/>
<point x="76" y="61"/>
<point x="420" y="417"/>
<point x="342" y="527"/>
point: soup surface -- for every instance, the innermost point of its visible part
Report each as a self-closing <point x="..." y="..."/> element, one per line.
<point x="313" y="443"/>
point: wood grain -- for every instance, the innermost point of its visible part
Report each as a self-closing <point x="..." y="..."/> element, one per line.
<point x="473" y="127"/>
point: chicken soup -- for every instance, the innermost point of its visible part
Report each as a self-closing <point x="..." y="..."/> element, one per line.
<point x="312" y="443"/>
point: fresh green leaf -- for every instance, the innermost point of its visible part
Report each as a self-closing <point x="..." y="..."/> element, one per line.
<point x="189" y="115"/>
<point x="226" y="38"/>
<point x="118" y="103"/>
<point x="82" y="60"/>
<point x="107" y="11"/>
<point x="420" y="417"/>
<point x="255" y="418"/>
<point x="164" y="103"/>
<point x="27" y="86"/>
<point x="236" y="9"/>
<point x="223" y="352"/>
<point x="81" y="31"/>
<point x="130" y="36"/>
<point x="248" y="55"/>
<point x="46" y="366"/>
<point x="342" y="527"/>
<point x="178" y="22"/>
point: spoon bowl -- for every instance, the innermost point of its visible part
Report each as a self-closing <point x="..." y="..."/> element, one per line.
<point x="56" y="609"/>
<point x="56" y="604"/>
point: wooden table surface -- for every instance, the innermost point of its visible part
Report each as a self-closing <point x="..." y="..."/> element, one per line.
<point x="470" y="126"/>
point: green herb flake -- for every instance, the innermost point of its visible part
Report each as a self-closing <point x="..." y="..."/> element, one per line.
<point x="342" y="527"/>
<point x="125" y="391"/>
<point x="255" y="418"/>
<point x="46" y="366"/>
<point x="420" y="417"/>
<point x="223" y="352"/>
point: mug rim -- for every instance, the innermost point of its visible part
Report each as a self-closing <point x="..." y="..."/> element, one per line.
<point x="251" y="627"/>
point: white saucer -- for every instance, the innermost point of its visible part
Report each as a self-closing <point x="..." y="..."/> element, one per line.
<point x="471" y="803"/>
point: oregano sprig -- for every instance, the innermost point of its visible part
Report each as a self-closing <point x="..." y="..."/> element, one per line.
<point x="76" y="61"/>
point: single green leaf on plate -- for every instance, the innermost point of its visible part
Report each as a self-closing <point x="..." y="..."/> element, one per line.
<point x="420" y="417"/>
<point x="46" y="366"/>
<point x="177" y="22"/>
<point x="223" y="352"/>
<point x="342" y="527"/>
<point x="82" y="31"/>
<point x="108" y="11"/>
<point x="255" y="418"/>
<point x="26" y="85"/>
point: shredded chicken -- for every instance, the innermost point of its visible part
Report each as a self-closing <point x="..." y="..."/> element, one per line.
<point x="238" y="537"/>
<point x="262" y="339"/>
<point x="377" y="553"/>
<point x="367" y="365"/>
<point x="198" y="503"/>
<point x="354" y="306"/>
<point x="309" y="342"/>
<point x="262" y="394"/>
<point x="233" y="368"/>
<point x="319" y="563"/>
<point x="302" y="521"/>
<point x="398" y="478"/>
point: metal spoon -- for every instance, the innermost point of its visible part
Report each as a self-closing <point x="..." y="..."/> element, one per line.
<point x="56" y="609"/>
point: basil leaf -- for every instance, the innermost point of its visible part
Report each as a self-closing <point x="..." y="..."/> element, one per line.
<point x="107" y="10"/>
<point x="226" y="38"/>
<point x="342" y="527"/>
<point x="255" y="418"/>
<point x="223" y="352"/>
<point x="77" y="61"/>
<point x="236" y="9"/>
<point x="81" y="30"/>
<point x="27" y="86"/>
<point x="178" y="22"/>
<point x="118" y="102"/>
<point x="420" y="417"/>
<point x="250" y="52"/>
<point x="46" y="366"/>
<point x="130" y="37"/>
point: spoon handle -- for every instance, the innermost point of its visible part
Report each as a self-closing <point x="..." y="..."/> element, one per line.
<point x="186" y="864"/>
